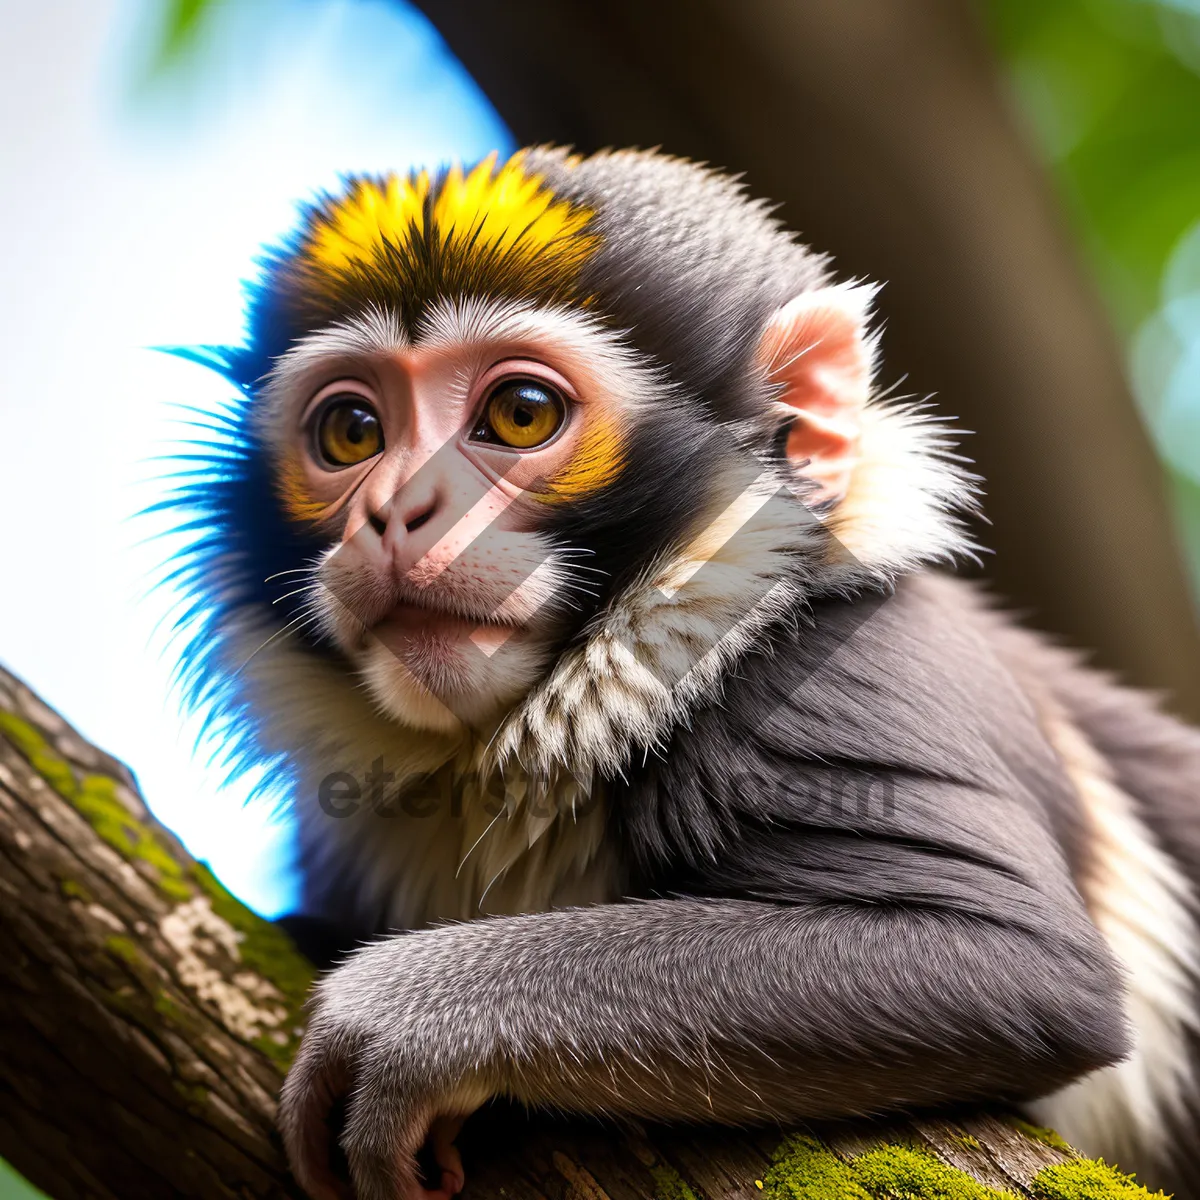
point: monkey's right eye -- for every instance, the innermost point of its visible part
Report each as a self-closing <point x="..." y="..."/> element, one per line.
<point x="348" y="431"/>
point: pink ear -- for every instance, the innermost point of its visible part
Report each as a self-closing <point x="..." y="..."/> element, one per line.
<point x="818" y="348"/>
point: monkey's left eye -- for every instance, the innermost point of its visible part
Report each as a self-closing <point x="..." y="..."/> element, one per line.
<point x="348" y="431"/>
<point x="521" y="413"/>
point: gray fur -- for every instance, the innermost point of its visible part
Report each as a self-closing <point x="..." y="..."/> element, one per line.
<point x="843" y="876"/>
<point x="1156" y="761"/>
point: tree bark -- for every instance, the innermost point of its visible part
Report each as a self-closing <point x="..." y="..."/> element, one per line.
<point x="147" y="1017"/>
<point x="882" y="129"/>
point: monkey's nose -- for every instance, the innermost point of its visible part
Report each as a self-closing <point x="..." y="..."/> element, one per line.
<point x="406" y="527"/>
<point x="421" y="528"/>
<point x="412" y="516"/>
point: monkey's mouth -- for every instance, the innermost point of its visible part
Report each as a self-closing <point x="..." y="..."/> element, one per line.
<point x="416" y="627"/>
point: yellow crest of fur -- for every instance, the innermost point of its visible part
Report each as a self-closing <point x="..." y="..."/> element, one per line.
<point x="512" y="211"/>
<point x="486" y="214"/>
<point x="371" y="214"/>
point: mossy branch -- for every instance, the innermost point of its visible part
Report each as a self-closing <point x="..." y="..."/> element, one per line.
<point x="147" y="1017"/>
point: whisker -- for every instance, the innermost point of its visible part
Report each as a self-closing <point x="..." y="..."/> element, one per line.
<point x="480" y="837"/>
<point x="291" y="627"/>
<point x="483" y="894"/>
<point x="590" y="570"/>
<point x="290" y="571"/>
<point x="308" y="587"/>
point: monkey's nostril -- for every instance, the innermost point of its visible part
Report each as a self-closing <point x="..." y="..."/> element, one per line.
<point x="419" y="520"/>
<point x="378" y="522"/>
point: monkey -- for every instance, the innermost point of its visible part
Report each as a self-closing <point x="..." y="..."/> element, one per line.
<point x="560" y="562"/>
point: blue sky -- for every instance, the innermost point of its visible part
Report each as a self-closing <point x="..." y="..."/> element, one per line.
<point x="134" y="209"/>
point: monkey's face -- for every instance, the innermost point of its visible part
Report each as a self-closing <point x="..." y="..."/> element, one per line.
<point x="483" y="408"/>
<point x="440" y="469"/>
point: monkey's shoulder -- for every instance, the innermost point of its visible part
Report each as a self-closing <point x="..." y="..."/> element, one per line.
<point x="868" y="748"/>
<point x="922" y="679"/>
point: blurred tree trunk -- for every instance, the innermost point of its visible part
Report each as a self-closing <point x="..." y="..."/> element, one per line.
<point x="881" y="126"/>
<point x="146" y="1019"/>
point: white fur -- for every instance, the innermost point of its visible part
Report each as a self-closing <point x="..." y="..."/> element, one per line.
<point x="601" y="360"/>
<point x="374" y="332"/>
<point x="1145" y="907"/>
<point x="895" y="515"/>
<point x="604" y="700"/>
<point x="432" y="862"/>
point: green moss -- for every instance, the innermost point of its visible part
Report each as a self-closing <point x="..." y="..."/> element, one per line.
<point x="74" y="891"/>
<point x="669" y="1184"/>
<point x="804" y="1169"/>
<point x="95" y="797"/>
<point x="127" y="951"/>
<point x="196" y="1094"/>
<point x="49" y="764"/>
<point x="107" y="815"/>
<point x="902" y="1173"/>
<point x="168" y="1009"/>
<point x="279" y="1052"/>
<point x="268" y="951"/>
<point x="265" y="947"/>
<point x="174" y="889"/>
<point x="1088" y="1179"/>
<point x="128" y="1002"/>
<point x="185" y="1020"/>
<point x="97" y="800"/>
<point x="1040" y="1133"/>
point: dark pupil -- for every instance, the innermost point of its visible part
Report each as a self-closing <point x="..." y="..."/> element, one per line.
<point x="355" y="427"/>
<point x="528" y="399"/>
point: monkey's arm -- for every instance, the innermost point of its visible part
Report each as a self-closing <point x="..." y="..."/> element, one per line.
<point x="695" y="1009"/>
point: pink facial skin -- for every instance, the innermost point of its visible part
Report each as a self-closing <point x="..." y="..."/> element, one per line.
<point x="440" y="562"/>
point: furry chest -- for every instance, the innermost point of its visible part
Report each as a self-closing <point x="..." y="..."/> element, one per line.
<point x="456" y="846"/>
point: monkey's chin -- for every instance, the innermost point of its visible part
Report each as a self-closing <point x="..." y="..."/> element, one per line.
<point x="444" y="680"/>
<point x="403" y="697"/>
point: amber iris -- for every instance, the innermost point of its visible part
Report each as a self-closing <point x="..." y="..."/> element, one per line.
<point x="522" y="413"/>
<point x="348" y="432"/>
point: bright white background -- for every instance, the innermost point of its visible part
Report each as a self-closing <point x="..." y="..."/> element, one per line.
<point x="131" y="207"/>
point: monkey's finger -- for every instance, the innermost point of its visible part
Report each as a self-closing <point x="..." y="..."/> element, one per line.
<point x="441" y="1137"/>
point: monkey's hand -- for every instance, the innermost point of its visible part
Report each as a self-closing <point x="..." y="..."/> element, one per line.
<point x="383" y="1082"/>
